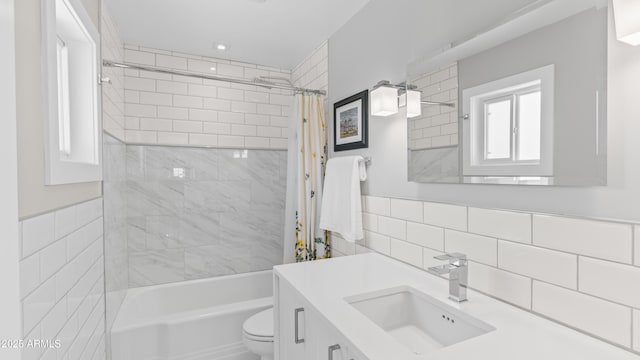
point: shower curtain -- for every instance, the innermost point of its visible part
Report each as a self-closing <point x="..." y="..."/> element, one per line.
<point x="307" y="158"/>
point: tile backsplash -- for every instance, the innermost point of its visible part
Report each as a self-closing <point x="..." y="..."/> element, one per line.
<point x="579" y="272"/>
<point x="62" y="282"/>
<point x="195" y="213"/>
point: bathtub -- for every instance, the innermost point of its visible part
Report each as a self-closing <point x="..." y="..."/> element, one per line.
<point x="191" y="320"/>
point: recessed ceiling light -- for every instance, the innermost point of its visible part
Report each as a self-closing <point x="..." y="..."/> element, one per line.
<point x="221" y="47"/>
<point x="212" y="68"/>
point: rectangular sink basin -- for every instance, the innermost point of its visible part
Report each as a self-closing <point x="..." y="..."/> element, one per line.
<point x="416" y="320"/>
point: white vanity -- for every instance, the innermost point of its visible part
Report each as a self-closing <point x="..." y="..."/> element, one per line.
<point x="370" y="307"/>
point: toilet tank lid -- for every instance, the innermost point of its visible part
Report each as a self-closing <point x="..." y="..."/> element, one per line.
<point x="260" y="324"/>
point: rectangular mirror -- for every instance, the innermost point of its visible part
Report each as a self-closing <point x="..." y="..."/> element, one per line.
<point x="528" y="98"/>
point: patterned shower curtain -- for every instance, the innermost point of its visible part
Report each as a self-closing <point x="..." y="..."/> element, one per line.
<point x="307" y="158"/>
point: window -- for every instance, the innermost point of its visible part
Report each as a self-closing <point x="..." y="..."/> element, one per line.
<point x="73" y="124"/>
<point x="508" y="128"/>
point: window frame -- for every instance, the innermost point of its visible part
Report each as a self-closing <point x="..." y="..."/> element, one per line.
<point x="474" y="132"/>
<point x="75" y="156"/>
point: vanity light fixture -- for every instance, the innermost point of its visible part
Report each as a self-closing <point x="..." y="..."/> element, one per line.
<point x="627" y="19"/>
<point x="384" y="99"/>
<point x="387" y="98"/>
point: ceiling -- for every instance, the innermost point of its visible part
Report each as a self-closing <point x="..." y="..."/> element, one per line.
<point x="279" y="33"/>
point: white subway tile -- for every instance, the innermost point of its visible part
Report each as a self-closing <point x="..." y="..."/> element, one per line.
<point x="251" y="74"/>
<point x="267" y="109"/>
<point x="154" y="75"/>
<point x="378" y="243"/>
<point x="173" y="113"/>
<point x="542" y="264"/>
<point x="230" y="141"/>
<point x="202" y="66"/>
<point x="132" y="96"/>
<point x="392" y="227"/>
<point x="256" y="119"/>
<point x="203" y="139"/>
<point x="378" y="205"/>
<point x="217" y="104"/>
<point x="172" y="62"/>
<point x="88" y="211"/>
<point x="173" y="138"/>
<point x="278" y="143"/>
<point x="186" y="79"/>
<point x="187" y="126"/>
<point x="506" y="225"/>
<point x="37" y="233"/>
<point x="36" y="305"/>
<point x="132" y="83"/>
<point x="612" y="281"/>
<point x="243" y="107"/>
<point x="636" y="330"/>
<point x="406" y="210"/>
<point x="53" y="258"/>
<point x="269" y="131"/>
<point x="256" y="142"/>
<point x="231" y="118"/>
<point x="156" y="124"/>
<point x="512" y="288"/>
<point x="172" y="87"/>
<point x="369" y="221"/>
<point x="636" y="246"/>
<point x="230" y="94"/>
<point x="139" y="57"/>
<point x="216" y="128"/>
<point x="187" y="101"/>
<point x="203" y="115"/>
<point x="279" y="121"/>
<point x="277" y="99"/>
<point x="425" y="235"/>
<point x="230" y="70"/>
<point x="243" y="130"/>
<point x="256" y="97"/>
<point x="406" y="252"/>
<point x="137" y="110"/>
<point x="599" y="239"/>
<point x="53" y="322"/>
<point x="601" y="318"/>
<point x="202" y="90"/>
<point x="477" y="248"/>
<point x="141" y="137"/>
<point x="444" y="215"/>
<point x="29" y="274"/>
<point x="66" y="221"/>
<point x="152" y="98"/>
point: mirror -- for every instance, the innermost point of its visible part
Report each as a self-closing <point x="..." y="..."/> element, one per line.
<point x="528" y="101"/>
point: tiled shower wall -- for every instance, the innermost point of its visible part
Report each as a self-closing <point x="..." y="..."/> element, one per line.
<point x="195" y="212"/>
<point x="170" y="109"/>
<point x="62" y="283"/>
<point x="580" y="272"/>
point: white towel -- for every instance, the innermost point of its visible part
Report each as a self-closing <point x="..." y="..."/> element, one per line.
<point x="341" y="203"/>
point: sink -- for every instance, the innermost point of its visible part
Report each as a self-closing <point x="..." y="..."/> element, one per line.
<point x="416" y="320"/>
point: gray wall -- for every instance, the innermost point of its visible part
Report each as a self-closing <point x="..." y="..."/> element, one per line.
<point x="365" y="51"/>
<point x="576" y="47"/>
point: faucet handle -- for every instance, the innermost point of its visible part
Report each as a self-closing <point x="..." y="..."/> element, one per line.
<point x="451" y="257"/>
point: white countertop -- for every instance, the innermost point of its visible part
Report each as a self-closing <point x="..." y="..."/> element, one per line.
<point x="519" y="335"/>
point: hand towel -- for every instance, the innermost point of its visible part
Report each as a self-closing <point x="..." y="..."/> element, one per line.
<point x="341" y="202"/>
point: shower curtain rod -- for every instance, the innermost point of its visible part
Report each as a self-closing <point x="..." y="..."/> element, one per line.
<point x="255" y="82"/>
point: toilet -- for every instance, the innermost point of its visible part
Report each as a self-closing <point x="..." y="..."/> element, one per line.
<point x="257" y="334"/>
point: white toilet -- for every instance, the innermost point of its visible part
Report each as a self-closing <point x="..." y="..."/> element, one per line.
<point x="257" y="334"/>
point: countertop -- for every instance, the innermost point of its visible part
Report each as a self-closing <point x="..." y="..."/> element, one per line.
<point x="519" y="335"/>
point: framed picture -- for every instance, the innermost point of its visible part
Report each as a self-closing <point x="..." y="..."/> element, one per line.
<point x="351" y="122"/>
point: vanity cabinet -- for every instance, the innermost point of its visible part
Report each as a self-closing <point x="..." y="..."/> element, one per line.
<point x="301" y="333"/>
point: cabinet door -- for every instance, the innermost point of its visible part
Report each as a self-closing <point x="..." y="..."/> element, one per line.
<point x="325" y="342"/>
<point x="292" y="313"/>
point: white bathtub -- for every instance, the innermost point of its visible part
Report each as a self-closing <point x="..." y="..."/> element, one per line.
<point x="191" y="320"/>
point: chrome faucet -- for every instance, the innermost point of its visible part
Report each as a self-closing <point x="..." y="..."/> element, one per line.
<point x="458" y="271"/>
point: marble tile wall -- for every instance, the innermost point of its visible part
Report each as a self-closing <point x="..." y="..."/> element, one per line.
<point x="196" y="212"/>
